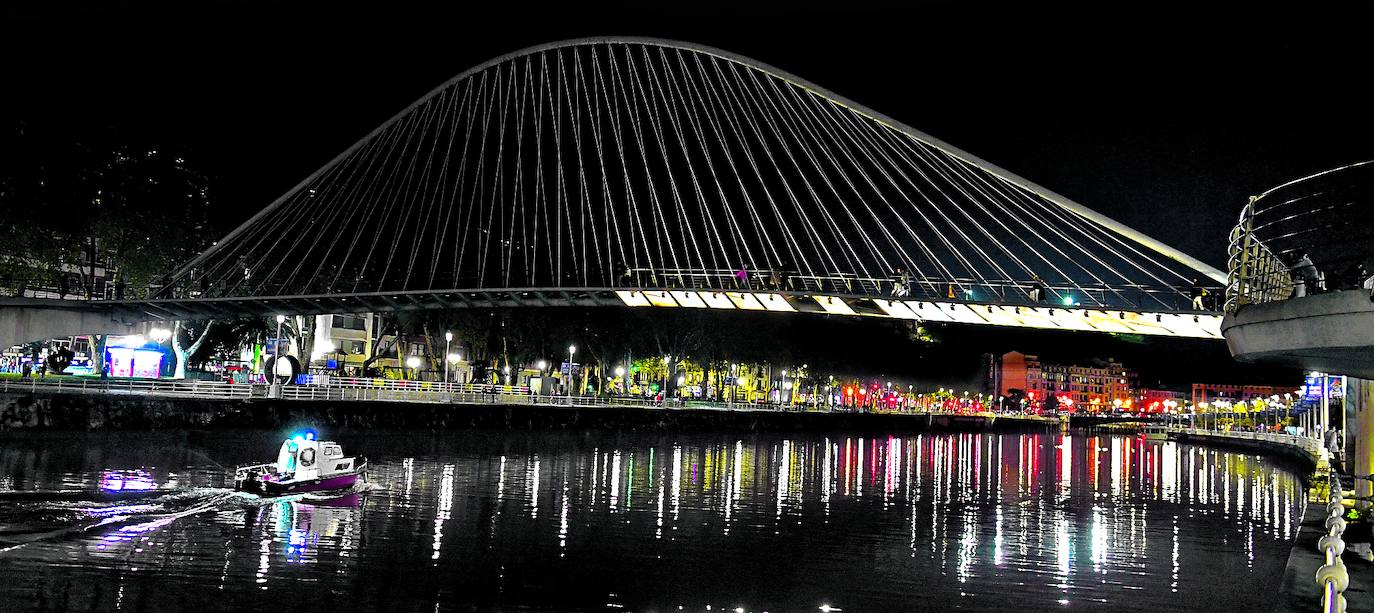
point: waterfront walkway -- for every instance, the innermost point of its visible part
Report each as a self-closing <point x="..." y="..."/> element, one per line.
<point x="427" y="392"/>
<point x="1301" y="447"/>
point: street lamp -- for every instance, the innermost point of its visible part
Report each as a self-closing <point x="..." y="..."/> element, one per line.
<point x="506" y="369"/>
<point x="159" y="334"/>
<point x="572" y="349"/>
<point x="413" y="362"/>
<point x="276" y="348"/>
<point x="667" y="372"/>
<point x="448" y="339"/>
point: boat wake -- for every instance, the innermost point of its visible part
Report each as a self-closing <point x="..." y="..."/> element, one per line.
<point x="30" y="517"/>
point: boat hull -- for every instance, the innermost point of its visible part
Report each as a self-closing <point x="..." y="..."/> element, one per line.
<point x="323" y="484"/>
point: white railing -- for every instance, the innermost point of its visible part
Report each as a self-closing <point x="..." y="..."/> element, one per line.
<point x="136" y="387"/>
<point x="343" y="389"/>
<point x="1307" y="444"/>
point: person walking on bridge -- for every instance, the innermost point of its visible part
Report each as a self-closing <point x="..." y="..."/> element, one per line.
<point x="1037" y="288"/>
<point x="1198" y="293"/>
<point x="1305" y="275"/>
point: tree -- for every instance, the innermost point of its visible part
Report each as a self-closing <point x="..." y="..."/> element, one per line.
<point x="386" y="328"/>
<point x="1051" y="404"/>
<point x="133" y="207"/>
<point x="182" y="352"/>
<point x="227" y="338"/>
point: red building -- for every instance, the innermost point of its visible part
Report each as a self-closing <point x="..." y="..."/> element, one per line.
<point x="1155" y="400"/>
<point x="1106" y="387"/>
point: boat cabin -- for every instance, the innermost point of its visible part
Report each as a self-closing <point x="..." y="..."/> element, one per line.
<point x="302" y="458"/>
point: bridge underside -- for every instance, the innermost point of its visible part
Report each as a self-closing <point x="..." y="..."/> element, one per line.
<point x="1076" y="318"/>
<point x="1331" y="332"/>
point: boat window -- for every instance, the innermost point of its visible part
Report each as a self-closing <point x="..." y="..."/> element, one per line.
<point x="332" y="451"/>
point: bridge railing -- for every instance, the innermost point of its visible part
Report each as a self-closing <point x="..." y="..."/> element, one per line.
<point x="1254" y="274"/>
<point x="1303" y="237"/>
<point x="910" y="287"/>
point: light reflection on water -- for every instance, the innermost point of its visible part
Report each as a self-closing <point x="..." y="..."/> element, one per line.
<point x="652" y="522"/>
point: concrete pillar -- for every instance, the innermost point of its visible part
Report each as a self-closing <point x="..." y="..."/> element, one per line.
<point x="1359" y="394"/>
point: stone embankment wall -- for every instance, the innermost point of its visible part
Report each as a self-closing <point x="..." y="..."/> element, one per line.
<point x="25" y="411"/>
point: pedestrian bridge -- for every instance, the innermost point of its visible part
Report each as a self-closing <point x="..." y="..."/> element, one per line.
<point x="649" y="173"/>
<point x="1299" y="292"/>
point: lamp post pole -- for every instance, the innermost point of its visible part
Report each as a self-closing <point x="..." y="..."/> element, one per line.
<point x="448" y="340"/>
<point x="572" y="349"/>
<point x="276" y="348"/>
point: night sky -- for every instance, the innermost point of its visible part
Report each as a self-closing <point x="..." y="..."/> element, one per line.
<point x="1165" y="117"/>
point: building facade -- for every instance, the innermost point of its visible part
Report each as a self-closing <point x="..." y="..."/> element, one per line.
<point x="1160" y="400"/>
<point x="1109" y="386"/>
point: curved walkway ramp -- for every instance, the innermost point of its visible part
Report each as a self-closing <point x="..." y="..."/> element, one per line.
<point x="1299" y="288"/>
<point x="1332" y="332"/>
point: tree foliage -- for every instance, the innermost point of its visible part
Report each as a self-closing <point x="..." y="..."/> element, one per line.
<point x="137" y="207"/>
<point x="520" y="337"/>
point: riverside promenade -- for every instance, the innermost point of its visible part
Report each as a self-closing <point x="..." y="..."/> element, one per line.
<point x="94" y="404"/>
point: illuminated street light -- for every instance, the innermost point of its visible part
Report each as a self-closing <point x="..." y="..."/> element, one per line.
<point x="448" y="339"/>
<point x="159" y="334"/>
<point x="620" y="371"/>
<point x="572" y="349"/>
<point x="276" y="348"/>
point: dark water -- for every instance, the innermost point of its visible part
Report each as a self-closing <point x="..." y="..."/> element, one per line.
<point x="650" y="522"/>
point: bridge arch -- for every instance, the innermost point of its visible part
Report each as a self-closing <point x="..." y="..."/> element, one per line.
<point x="650" y="172"/>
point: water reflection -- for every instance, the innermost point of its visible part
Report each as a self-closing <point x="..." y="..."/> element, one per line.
<point x="655" y="522"/>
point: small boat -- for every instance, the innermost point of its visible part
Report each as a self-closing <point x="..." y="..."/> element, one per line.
<point x="303" y="465"/>
<point x="1156" y="433"/>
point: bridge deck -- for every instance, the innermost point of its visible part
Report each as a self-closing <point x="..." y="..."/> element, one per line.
<point x="1189" y="324"/>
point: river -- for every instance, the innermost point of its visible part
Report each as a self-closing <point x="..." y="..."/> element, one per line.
<point x="593" y="520"/>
